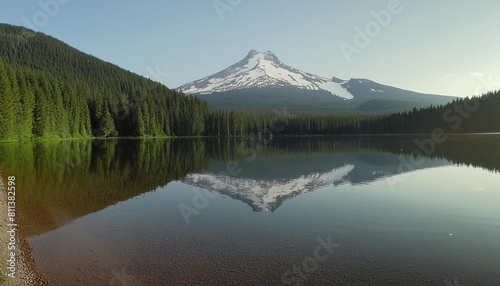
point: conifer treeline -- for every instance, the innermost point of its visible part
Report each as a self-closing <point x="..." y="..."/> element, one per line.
<point x="463" y="115"/>
<point x="66" y="93"/>
<point x="37" y="105"/>
<point x="51" y="90"/>
<point x="34" y="104"/>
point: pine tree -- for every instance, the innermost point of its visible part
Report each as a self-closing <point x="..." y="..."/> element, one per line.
<point x="8" y="108"/>
<point x="106" y="124"/>
<point x="138" y="122"/>
<point x="16" y="100"/>
<point x="27" y="97"/>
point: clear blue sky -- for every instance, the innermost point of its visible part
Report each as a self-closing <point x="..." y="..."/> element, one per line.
<point x="447" y="47"/>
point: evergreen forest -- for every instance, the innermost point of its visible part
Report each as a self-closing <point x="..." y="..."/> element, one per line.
<point x="51" y="90"/>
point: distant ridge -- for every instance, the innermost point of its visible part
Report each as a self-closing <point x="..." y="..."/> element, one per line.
<point x="260" y="80"/>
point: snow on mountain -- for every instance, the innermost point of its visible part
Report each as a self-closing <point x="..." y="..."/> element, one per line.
<point x="267" y="194"/>
<point x="259" y="69"/>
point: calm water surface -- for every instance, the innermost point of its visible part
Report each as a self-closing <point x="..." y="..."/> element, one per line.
<point x="308" y="211"/>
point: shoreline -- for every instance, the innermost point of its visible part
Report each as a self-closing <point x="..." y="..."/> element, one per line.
<point x="346" y="135"/>
<point x="26" y="273"/>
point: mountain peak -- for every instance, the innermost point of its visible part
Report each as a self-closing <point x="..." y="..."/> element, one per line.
<point x="267" y="55"/>
<point x="268" y="194"/>
<point x="255" y="52"/>
<point x="252" y="53"/>
<point x="263" y="69"/>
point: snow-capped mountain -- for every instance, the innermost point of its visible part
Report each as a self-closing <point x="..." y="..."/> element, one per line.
<point x="261" y="82"/>
<point x="267" y="182"/>
<point x="263" y="69"/>
<point x="267" y="194"/>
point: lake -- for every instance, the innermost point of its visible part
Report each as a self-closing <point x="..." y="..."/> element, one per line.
<point x="387" y="210"/>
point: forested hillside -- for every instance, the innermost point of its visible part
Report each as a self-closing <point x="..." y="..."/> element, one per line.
<point x="464" y="115"/>
<point x="48" y="89"/>
<point x="51" y="90"/>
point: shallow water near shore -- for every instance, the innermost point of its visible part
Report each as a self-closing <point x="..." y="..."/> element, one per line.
<point x="316" y="211"/>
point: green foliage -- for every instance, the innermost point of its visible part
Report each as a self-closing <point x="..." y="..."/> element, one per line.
<point x="84" y="176"/>
<point x="7" y="105"/>
<point x="50" y="90"/>
<point x="78" y="177"/>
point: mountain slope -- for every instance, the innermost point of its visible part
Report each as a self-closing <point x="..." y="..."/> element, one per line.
<point x="51" y="90"/>
<point x="54" y="90"/>
<point x="263" y="70"/>
<point x="269" y="189"/>
<point x="261" y="82"/>
<point x="266" y="194"/>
